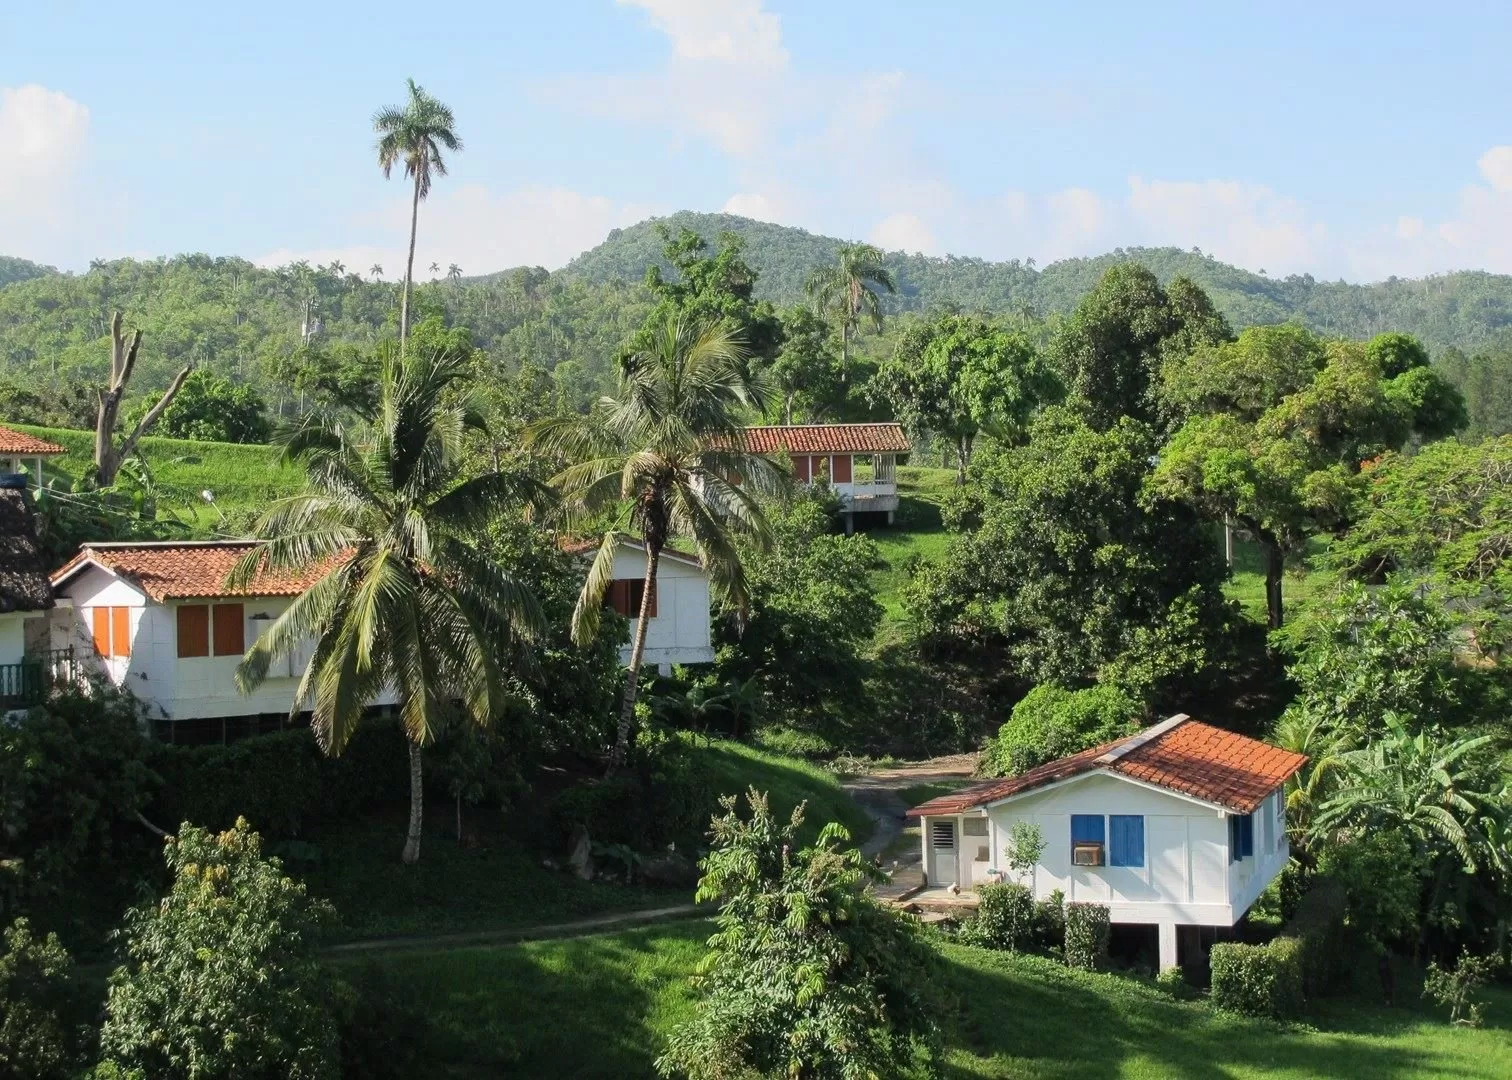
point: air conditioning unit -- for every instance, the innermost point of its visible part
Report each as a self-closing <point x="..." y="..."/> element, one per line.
<point x="1086" y="853"/>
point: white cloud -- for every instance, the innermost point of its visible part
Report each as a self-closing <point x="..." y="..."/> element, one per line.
<point x="479" y="230"/>
<point x="44" y="135"/>
<point x="905" y="232"/>
<point x="1246" y="224"/>
<point x="1496" y="167"/>
<point x="731" y="31"/>
<point x="754" y="205"/>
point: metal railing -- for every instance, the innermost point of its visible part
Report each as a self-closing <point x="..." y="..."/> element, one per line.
<point x="27" y="683"/>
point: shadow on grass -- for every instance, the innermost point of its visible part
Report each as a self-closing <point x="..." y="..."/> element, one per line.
<point x="589" y="1007"/>
<point x="787" y="782"/>
<point x="1023" y="1017"/>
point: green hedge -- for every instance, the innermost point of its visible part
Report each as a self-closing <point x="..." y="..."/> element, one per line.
<point x="1087" y="933"/>
<point x="1259" y="980"/>
<point x="1004" y="919"/>
<point x="281" y="783"/>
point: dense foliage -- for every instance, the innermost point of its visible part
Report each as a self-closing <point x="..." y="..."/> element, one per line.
<point x="39" y="1039"/>
<point x="1051" y="722"/>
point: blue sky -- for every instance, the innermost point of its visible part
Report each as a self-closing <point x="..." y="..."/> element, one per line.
<point x="1358" y="141"/>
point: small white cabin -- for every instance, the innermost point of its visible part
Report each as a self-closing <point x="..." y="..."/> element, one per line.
<point x="157" y="619"/>
<point x="678" y="626"/>
<point x="1182" y="824"/>
<point x="858" y="461"/>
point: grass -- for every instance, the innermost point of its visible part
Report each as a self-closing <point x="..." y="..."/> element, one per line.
<point x="1247" y="583"/>
<point x="915" y="794"/>
<point x="918" y="531"/>
<point x="500" y="883"/>
<point x="601" y="1006"/>
<point x="243" y="478"/>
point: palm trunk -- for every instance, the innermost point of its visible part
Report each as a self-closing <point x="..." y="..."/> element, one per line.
<point x="409" y="267"/>
<point x="637" y="652"/>
<point x="1275" y="564"/>
<point x="844" y="348"/>
<point x="417" y="806"/>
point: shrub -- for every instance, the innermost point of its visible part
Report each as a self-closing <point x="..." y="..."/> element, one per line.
<point x="807" y="975"/>
<point x="1087" y="933"/>
<point x="1050" y="922"/>
<point x="1173" y="981"/>
<point x="37" y="1040"/>
<point x="1455" y="987"/>
<point x="221" y="978"/>
<point x="1318" y="924"/>
<point x="1004" y="919"/>
<point x="1258" y="980"/>
<point x="1051" y="723"/>
<point x="1377" y="872"/>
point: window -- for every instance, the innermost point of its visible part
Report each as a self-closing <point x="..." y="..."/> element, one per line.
<point x="1126" y="832"/>
<point x="1241" y="837"/>
<point x="112" y="630"/>
<point x="1267" y="827"/>
<point x="942" y="834"/>
<point x="625" y="598"/>
<point x="1087" y="829"/>
<point x="842" y="469"/>
<point x="974" y="826"/>
<point x="230" y="630"/>
<point x="801" y="469"/>
<point x="193" y="630"/>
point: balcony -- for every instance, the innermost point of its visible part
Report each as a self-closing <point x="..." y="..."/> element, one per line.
<point x="27" y="683"/>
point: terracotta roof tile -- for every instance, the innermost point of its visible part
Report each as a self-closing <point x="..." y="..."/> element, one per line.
<point x="187" y="570"/>
<point x="19" y="442"/>
<point x="1192" y="758"/>
<point x="828" y="439"/>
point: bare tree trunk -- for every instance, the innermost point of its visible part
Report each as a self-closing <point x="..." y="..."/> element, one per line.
<point x="1275" y="565"/>
<point x="123" y="356"/>
<point x="637" y="652"/>
<point x="417" y="806"/>
<point x="409" y="267"/>
<point x="844" y="348"/>
<point x="963" y="459"/>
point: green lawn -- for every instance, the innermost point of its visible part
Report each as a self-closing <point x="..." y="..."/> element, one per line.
<point x="917" y="530"/>
<point x="600" y="1006"/>
<point x="788" y="781"/>
<point x="915" y="794"/>
<point x="1247" y="584"/>
<point x="242" y="478"/>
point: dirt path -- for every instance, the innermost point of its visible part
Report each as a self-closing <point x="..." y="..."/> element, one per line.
<point x="513" y="936"/>
<point x="877" y="793"/>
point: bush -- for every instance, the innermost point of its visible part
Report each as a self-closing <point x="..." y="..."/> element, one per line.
<point x="1051" y="723"/>
<point x="1087" y="934"/>
<point x="1318" y="924"/>
<point x="1259" y="980"/>
<point x="1455" y="987"/>
<point x="1050" y="923"/>
<point x="1004" y="919"/>
<point x="1173" y="981"/>
<point x="37" y="998"/>
<point x="221" y="978"/>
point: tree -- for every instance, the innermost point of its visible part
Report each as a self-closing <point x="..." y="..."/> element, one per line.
<point x="221" y="976"/>
<point x="806" y="371"/>
<point x="958" y="375"/>
<point x="1284" y="463"/>
<point x="415" y="133"/>
<point x="1050" y="722"/>
<point x="847" y="288"/>
<point x="212" y="408"/>
<point x="377" y="271"/>
<point x="667" y="458"/>
<point x="403" y="602"/>
<point x="1110" y="349"/>
<point x="109" y="453"/>
<point x="37" y="1042"/>
<point x="454" y="274"/>
<point x="807" y="975"/>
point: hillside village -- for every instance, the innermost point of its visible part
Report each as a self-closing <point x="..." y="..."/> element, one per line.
<point x="744" y="654"/>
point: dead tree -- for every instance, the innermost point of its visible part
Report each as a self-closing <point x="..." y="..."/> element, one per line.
<point x="123" y="354"/>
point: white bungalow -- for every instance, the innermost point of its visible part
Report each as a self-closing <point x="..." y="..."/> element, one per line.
<point x="678" y="626"/>
<point x="23" y="454"/>
<point x="157" y="619"/>
<point x="857" y="460"/>
<point x="1182" y="824"/>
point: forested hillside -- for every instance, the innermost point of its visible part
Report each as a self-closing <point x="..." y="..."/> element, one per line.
<point x="20" y="270"/>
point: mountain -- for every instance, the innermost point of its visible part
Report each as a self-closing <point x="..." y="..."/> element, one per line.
<point x="21" y="270"/>
<point x="1466" y="309"/>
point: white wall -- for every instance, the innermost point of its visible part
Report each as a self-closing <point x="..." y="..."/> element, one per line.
<point x="1186" y="877"/>
<point x="679" y="633"/>
<point x="12" y="637"/>
<point x="1247" y="878"/>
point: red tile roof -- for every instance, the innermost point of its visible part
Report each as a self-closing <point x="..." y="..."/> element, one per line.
<point x="186" y="570"/>
<point x="828" y="439"/>
<point x="1180" y="755"/>
<point x="19" y="442"/>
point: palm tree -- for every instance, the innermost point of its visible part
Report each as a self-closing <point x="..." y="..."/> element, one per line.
<point x="666" y="458"/>
<point x="403" y="603"/>
<point x="435" y="268"/>
<point x="846" y="290"/>
<point x="377" y="271"/>
<point x="415" y="133"/>
<point x="454" y="274"/>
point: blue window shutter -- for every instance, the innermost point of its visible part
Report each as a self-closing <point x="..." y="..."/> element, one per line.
<point x="1246" y="836"/>
<point x="1087" y="829"/>
<point x="1233" y="824"/>
<point x="1127" y="835"/>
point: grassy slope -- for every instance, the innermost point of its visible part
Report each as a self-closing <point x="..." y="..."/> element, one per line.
<point x="600" y="1006"/>
<point x="500" y="883"/>
<point x="918" y="531"/>
<point x="242" y="477"/>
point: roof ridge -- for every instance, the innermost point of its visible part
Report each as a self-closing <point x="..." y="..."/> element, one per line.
<point x="120" y="545"/>
<point x="1141" y="738"/>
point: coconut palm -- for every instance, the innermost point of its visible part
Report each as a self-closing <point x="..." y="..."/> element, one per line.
<point x="665" y="458"/>
<point x="847" y="289"/>
<point x="403" y="603"/>
<point x="454" y="274"/>
<point x="415" y="133"/>
<point x="377" y="271"/>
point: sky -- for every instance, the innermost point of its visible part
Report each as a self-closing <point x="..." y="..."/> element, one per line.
<point x="1345" y="140"/>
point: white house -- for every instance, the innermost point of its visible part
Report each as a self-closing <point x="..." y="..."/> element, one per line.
<point x="20" y="451"/>
<point x="678" y="626"/>
<point x="1182" y="824"/>
<point x="25" y="598"/>
<point x="157" y="619"/>
<point x="858" y="460"/>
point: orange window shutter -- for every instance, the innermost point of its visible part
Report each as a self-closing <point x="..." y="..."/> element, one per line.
<point x="193" y="630"/>
<point x="842" y="469"/>
<point x="100" y="617"/>
<point x="230" y="630"/>
<point x="120" y="631"/>
<point x="801" y="469"/>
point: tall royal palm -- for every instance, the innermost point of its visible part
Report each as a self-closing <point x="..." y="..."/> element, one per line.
<point x="403" y="604"/>
<point x="847" y="289"/>
<point x="665" y="458"/>
<point x="415" y="133"/>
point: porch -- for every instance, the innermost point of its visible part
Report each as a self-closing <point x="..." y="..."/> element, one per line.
<point x="27" y="682"/>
